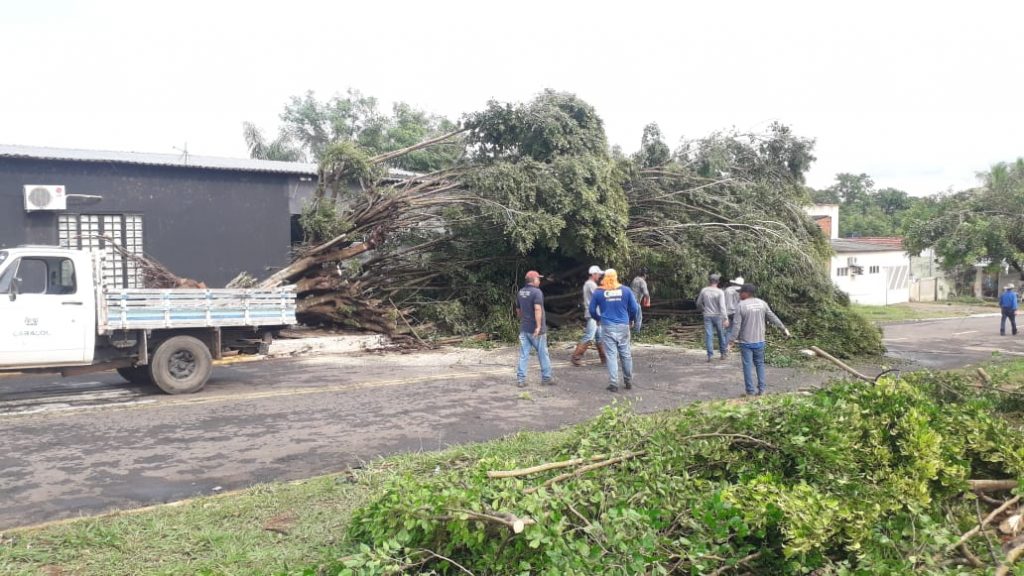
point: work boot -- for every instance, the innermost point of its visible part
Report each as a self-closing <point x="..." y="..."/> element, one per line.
<point x="627" y="384"/>
<point x="577" y="354"/>
<point x="613" y="388"/>
<point x="521" y="384"/>
<point x="601" y="354"/>
<point x="548" y="382"/>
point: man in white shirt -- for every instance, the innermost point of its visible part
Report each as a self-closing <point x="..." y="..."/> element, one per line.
<point x="591" y="332"/>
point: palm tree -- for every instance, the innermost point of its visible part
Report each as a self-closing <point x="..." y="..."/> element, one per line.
<point x="281" y="148"/>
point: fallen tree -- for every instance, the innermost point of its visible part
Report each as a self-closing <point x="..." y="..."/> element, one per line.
<point x="538" y="187"/>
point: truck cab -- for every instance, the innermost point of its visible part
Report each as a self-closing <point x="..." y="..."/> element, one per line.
<point x="57" y="316"/>
<point x="47" y="307"/>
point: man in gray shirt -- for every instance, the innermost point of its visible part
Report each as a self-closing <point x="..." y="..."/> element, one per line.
<point x="749" y="331"/>
<point x="732" y="296"/>
<point x="711" y="303"/>
<point x="642" y="293"/>
<point x="591" y="332"/>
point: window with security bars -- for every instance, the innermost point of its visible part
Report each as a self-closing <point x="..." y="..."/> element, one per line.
<point x="96" y="232"/>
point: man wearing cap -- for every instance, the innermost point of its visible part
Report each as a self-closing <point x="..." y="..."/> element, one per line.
<point x="642" y="293"/>
<point x="732" y="297"/>
<point x="591" y="333"/>
<point x="749" y="331"/>
<point x="1008" y="304"/>
<point x="533" y="330"/>
<point x="711" y="303"/>
<point x="614" y="307"/>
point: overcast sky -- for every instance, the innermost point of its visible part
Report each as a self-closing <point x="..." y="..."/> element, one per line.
<point x="920" y="95"/>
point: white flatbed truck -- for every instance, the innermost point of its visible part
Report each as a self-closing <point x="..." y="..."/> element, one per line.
<point x="57" y="316"/>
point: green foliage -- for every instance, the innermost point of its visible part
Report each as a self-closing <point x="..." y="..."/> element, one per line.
<point x="551" y="125"/>
<point x="854" y="479"/>
<point x="321" y="221"/>
<point x="985" y="223"/>
<point x="865" y="210"/>
<point x="653" y="151"/>
<point x="310" y="126"/>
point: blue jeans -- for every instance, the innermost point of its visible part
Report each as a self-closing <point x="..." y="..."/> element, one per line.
<point x="528" y="342"/>
<point x="592" y="332"/>
<point x="1011" y="314"/>
<point x="753" y="358"/>
<point x="615" y="339"/>
<point x="712" y="323"/>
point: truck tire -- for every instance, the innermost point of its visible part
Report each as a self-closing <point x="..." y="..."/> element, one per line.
<point x="138" y="375"/>
<point x="181" y="365"/>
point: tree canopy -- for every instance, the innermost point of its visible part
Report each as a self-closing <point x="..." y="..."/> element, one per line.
<point x="968" y="227"/>
<point x="865" y="210"/>
<point x="309" y="126"/>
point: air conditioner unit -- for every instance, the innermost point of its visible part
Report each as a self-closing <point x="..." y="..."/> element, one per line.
<point x="45" y="197"/>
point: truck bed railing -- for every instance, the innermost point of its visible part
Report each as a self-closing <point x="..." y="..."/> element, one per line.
<point x="142" y="308"/>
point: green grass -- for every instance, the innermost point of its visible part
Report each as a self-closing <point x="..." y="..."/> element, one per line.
<point x="266" y="530"/>
<point x="906" y="312"/>
<point x="259" y="531"/>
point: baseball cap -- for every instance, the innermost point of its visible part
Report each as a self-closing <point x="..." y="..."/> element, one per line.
<point x="749" y="289"/>
<point x="1008" y="287"/>
<point x="737" y="281"/>
<point x="714" y="277"/>
<point x="595" y="270"/>
<point x="533" y="274"/>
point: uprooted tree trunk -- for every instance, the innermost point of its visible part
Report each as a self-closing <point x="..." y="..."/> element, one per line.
<point x="346" y="280"/>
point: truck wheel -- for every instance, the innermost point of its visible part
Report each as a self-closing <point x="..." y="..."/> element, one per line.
<point x="181" y="365"/>
<point x="136" y="375"/>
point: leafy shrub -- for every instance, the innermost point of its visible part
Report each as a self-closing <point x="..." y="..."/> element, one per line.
<point x="854" y="479"/>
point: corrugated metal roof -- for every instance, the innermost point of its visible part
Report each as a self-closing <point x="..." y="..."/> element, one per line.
<point x="858" y="245"/>
<point x="150" y="159"/>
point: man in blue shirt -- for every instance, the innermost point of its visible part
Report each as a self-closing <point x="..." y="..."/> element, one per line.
<point x="533" y="329"/>
<point x="614" y="306"/>
<point x="1008" y="303"/>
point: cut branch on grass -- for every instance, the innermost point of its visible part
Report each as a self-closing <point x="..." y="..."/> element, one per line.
<point x="514" y="523"/>
<point x="585" y="469"/>
<point x="1011" y="557"/>
<point x="992" y="485"/>
<point x="962" y="541"/>
<point x="543" y="467"/>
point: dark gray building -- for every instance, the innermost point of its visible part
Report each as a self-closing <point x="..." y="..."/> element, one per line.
<point x="203" y="217"/>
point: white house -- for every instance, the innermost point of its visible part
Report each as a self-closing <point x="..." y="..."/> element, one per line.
<point x="871" y="271"/>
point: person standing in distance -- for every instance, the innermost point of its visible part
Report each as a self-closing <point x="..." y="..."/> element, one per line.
<point x="749" y="331"/>
<point x="1008" y="304"/>
<point x="642" y="293"/>
<point x="591" y="333"/>
<point x="711" y="303"/>
<point x="614" y="307"/>
<point x="533" y="330"/>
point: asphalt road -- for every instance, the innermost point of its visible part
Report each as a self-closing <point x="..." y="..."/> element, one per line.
<point x="944" y="344"/>
<point x="91" y="444"/>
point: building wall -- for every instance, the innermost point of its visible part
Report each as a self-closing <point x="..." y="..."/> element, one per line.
<point x="203" y="224"/>
<point x="890" y="285"/>
<point x="831" y="211"/>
